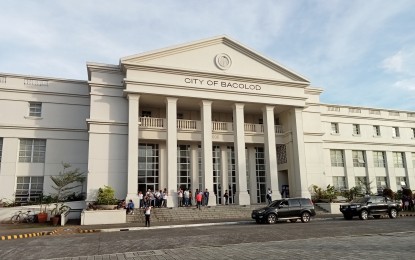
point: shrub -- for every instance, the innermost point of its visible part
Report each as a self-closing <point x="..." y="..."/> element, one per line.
<point x="106" y="196"/>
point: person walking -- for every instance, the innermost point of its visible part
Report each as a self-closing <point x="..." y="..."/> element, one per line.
<point x="199" y="200"/>
<point x="226" y="196"/>
<point x="206" y="195"/>
<point x="147" y="213"/>
<point x="269" y="195"/>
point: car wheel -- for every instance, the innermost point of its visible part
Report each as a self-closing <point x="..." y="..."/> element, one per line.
<point x="293" y="220"/>
<point x="272" y="218"/>
<point x="305" y="217"/>
<point x="347" y="216"/>
<point x="363" y="215"/>
<point x="376" y="216"/>
<point x="393" y="213"/>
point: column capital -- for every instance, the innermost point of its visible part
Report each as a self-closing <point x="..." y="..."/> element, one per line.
<point x="171" y="99"/>
<point x="133" y="96"/>
<point x="268" y="108"/>
<point x="206" y="102"/>
<point x="238" y="105"/>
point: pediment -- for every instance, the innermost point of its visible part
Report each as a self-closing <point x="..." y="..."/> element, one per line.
<point x="218" y="55"/>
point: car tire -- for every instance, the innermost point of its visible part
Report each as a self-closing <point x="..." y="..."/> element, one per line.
<point x="272" y="218"/>
<point x="393" y="213"/>
<point x="305" y="217"/>
<point x="348" y="216"/>
<point x="293" y="220"/>
<point x="376" y="216"/>
<point x="363" y="215"/>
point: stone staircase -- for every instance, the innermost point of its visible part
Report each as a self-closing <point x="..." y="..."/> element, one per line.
<point x="231" y="212"/>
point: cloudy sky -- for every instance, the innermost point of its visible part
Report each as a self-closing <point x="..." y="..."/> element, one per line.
<point x="361" y="52"/>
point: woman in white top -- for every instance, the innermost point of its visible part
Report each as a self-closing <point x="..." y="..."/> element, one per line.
<point x="147" y="213"/>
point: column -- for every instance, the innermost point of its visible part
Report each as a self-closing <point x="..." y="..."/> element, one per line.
<point x="207" y="167"/>
<point x="133" y="129"/>
<point x="299" y="154"/>
<point x="371" y="174"/>
<point x="194" y="169"/>
<point x="241" y="194"/>
<point x="270" y="151"/>
<point x="349" y="169"/>
<point x="391" y="176"/>
<point x="171" y="112"/>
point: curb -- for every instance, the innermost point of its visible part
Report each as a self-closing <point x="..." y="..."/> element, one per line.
<point x="28" y="235"/>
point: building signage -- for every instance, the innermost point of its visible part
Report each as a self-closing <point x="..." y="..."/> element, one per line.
<point x="222" y="84"/>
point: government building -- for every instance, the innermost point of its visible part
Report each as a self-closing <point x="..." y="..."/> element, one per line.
<point x="211" y="114"/>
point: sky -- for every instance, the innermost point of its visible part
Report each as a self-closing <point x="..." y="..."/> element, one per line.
<point x="360" y="52"/>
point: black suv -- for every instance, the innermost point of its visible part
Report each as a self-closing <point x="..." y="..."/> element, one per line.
<point x="285" y="209"/>
<point x="371" y="206"/>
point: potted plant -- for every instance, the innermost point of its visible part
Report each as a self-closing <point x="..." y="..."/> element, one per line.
<point x="106" y="198"/>
<point x="45" y="201"/>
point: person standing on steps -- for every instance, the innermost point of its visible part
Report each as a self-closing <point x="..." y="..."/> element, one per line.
<point x="199" y="200"/>
<point x="206" y="196"/>
<point x="269" y="195"/>
<point x="147" y="213"/>
<point x="226" y="196"/>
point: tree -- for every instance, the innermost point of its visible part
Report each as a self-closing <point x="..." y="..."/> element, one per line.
<point x="64" y="183"/>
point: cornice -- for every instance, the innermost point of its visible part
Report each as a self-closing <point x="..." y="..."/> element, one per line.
<point x="22" y="127"/>
<point x="73" y="81"/>
<point x="32" y="91"/>
<point x="367" y="118"/>
<point x="328" y="142"/>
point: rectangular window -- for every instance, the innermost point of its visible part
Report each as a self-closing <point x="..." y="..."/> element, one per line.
<point x="376" y="130"/>
<point x="398" y="160"/>
<point x="355" y="110"/>
<point x="337" y="109"/>
<point x="381" y="184"/>
<point x="356" y="129"/>
<point x="28" y="188"/>
<point x="379" y="159"/>
<point x="395" y="132"/>
<point x="32" y="150"/>
<point x="1" y="148"/>
<point x="359" y="158"/>
<point x="337" y="158"/>
<point x="339" y="183"/>
<point x="413" y="132"/>
<point x="400" y="183"/>
<point x="35" y="109"/>
<point x="374" y="112"/>
<point x="334" y="128"/>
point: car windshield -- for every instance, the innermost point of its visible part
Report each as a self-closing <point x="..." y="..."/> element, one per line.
<point x="360" y="200"/>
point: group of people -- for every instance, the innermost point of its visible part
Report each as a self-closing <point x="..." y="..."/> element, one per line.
<point x="185" y="197"/>
<point x="156" y="198"/>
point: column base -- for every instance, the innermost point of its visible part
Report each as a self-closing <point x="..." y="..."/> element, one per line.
<point x="172" y="201"/>
<point x="212" y="199"/>
<point x="242" y="198"/>
<point x="134" y="198"/>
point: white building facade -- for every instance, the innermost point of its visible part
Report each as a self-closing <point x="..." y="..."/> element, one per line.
<point x="211" y="114"/>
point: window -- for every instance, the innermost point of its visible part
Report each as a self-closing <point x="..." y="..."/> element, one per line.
<point x="376" y="130"/>
<point x="400" y="183"/>
<point x="359" y="158"/>
<point x="337" y="158"/>
<point x="395" y="132"/>
<point x="379" y="159"/>
<point x="374" y="112"/>
<point x="339" y="183"/>
<point x="337" y="109"/>
<point x="381" y="184"/>
<point x="1" y="147"/>
<point x="413" y="132"/>
<point x="183" y="167"/>
<point x="35" y="109"/>
<point x="145" y="113"/>
<point x="355" y="110"/>
<point x="356" y="129"/>
<point x="32" y="150"/>
<point x="148" y="167"/>
<point x="28" y="188"/>
<point x="334" y="128"/>
<point x="398" y="160"/>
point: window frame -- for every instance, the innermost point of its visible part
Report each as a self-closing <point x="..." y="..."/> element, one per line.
<point x="356" y="129"/>
<point x="32" y="191"/>
<point x="334" y="128"/>
<point x="335" y="155"/>
<point x="377" y="163"/>
<point x="398" y="161"/>
<point x="376" y="131"/>
<point x="35" y="109"/>
<point x="359" y="158"/>
<point x="395" y="132"/>
<point x="36" y="152"/>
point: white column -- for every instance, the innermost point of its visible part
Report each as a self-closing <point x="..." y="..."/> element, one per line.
<point x="207" y="171"/>
<point x="299" y="154"/>
<point x="241" y="195"/>
<point x="133" y="128"/>
<point x="271" y="170"/>
<point x="171" y="112"/>
<point x="391" y="171"/>
<point x="349" y="169"/>
<point x="370" y="169"/>
<point x="194" y="169"/>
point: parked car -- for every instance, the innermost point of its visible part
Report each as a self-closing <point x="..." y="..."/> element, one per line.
<point x="285" y="209"/>
<point x="371" y="206"/>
